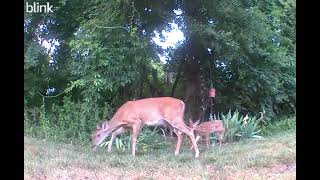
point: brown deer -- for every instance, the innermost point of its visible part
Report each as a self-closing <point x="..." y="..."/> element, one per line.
<point x="134" y="115"/>
<point x="207" y="128"/>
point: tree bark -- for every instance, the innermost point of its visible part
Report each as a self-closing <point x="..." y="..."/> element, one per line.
<point x="177" y="79"/>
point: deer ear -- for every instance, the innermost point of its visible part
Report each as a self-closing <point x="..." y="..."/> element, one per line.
<point x="197" y="122"/>
<point x="105" y="125"/>
<point x="99" y="126"/>
<point x="190" y="121"/>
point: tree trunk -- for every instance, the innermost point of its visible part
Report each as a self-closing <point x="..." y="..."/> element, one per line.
<point x="177" y="79"/>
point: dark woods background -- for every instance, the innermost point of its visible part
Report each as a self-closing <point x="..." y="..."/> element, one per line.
<point x="105" y="56"/>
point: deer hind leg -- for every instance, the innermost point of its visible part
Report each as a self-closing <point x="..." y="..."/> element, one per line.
<point x="207" y="140"/>
<point x="170" y="128"/>
<point x="179" y="140"/>
<point x="179" y="124"/>
<point x="121" y="130"/>
<point x="136" y="128"/>
<point x="171" y="131"/>
<point x="197" y="139"/>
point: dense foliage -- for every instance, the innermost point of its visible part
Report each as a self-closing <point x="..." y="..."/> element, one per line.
<point x="104" y="56"/>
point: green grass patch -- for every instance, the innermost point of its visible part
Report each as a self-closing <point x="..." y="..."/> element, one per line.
<point x="58" y="160"/>
<point x="279" y="125"/>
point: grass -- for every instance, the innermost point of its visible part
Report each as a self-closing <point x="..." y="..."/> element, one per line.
<point x="273" y="157"/>
<point x="279" y="125"/>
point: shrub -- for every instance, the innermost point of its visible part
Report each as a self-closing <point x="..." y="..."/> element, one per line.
<point x="241" y="127"/>
<point x="147" y="140"/>
<point x="279" y="125"/>
<point x="70" y="122"/>
<point x="151" y="139"/>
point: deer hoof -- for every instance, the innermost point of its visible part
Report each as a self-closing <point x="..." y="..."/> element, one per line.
<point x="197" y="154"/>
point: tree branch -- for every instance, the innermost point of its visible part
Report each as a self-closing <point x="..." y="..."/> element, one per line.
<point x="54" y="95"/>
<point x="109" y="27"/>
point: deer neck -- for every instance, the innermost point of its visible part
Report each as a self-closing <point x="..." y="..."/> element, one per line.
<point x="114" y="124"/>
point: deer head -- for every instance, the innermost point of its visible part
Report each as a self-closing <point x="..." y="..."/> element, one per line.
<point x="192" y="124"/>
<point x="100" y="134"/>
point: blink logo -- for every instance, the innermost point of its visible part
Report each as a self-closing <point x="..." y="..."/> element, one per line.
<point x="38" y="8"/>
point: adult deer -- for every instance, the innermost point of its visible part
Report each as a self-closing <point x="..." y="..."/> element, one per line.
<point x="207" y="128"/>
<point x="151" y="111"/>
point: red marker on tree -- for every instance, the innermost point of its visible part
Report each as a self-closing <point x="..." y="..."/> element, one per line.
<point x="212" y="92"/>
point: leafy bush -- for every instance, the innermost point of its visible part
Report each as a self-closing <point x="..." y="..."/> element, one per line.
<point x="281" y="124"/>
<point x="70" y="122"/>
<point x="147" y="140"/>
<point x="151" y="140"/>
<point x="241" y="127"/>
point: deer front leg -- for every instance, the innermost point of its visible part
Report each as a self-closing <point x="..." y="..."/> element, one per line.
<point x="111" y="141"/>
<point x="114" y="135"/>
<point x="221" y="137"/>
<point x="197" y="138"/>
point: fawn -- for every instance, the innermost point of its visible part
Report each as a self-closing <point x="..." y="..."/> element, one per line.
<point x="207" y="128"/>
